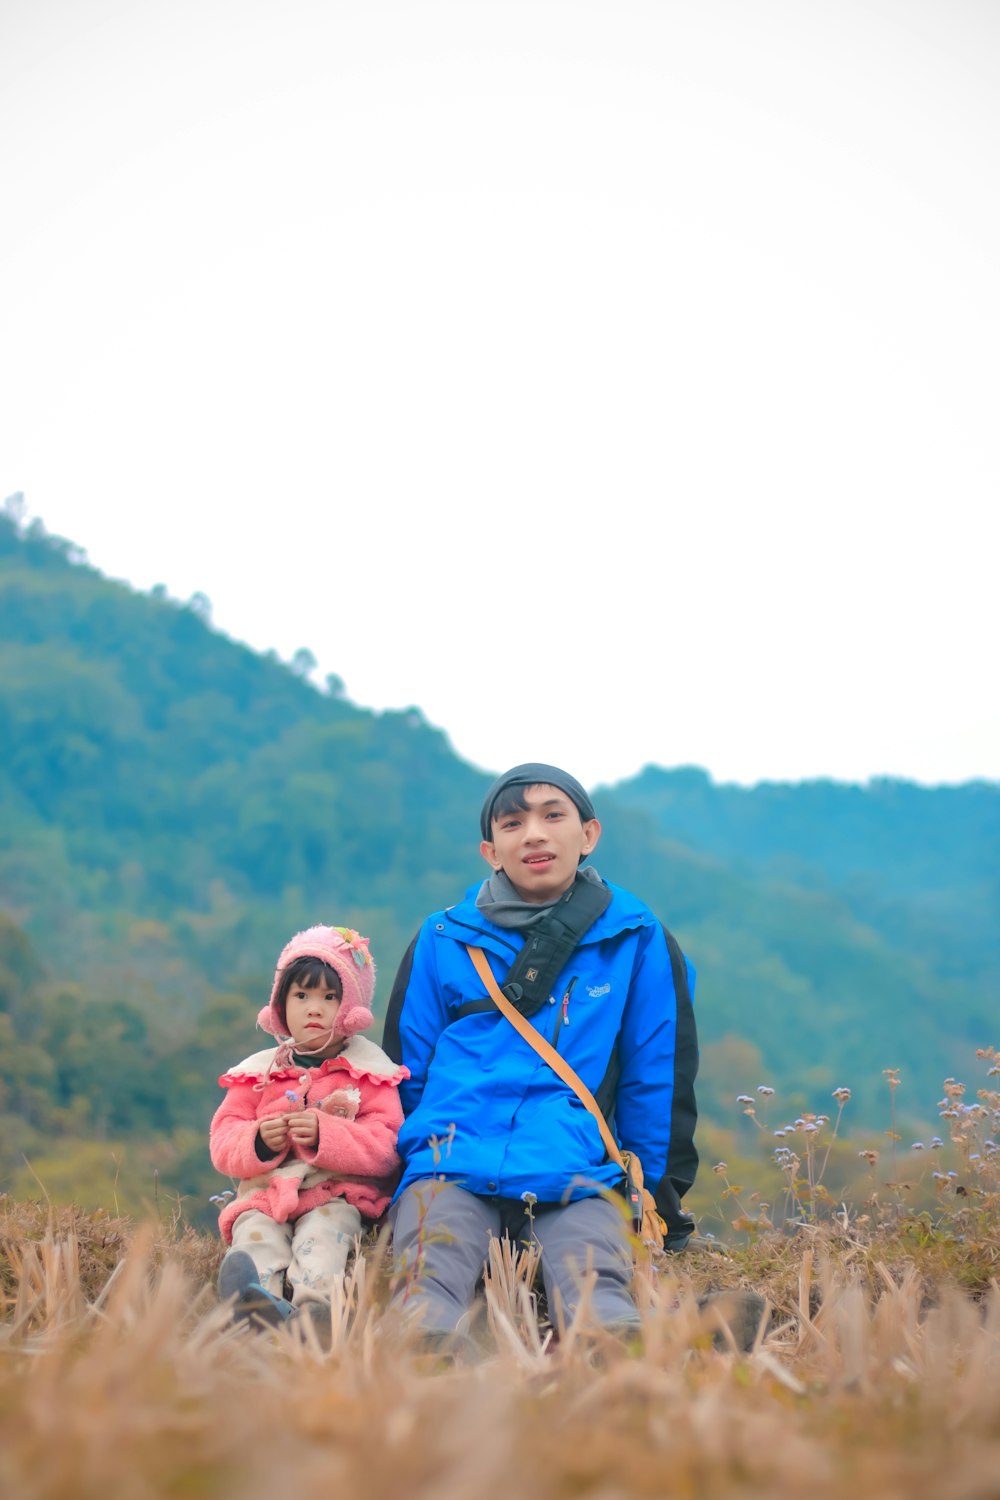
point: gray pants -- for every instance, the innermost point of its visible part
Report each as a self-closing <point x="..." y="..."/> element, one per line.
<point x="441" y="1236"/>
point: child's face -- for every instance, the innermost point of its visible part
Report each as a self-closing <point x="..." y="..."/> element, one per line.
<point x="539" y="849"/>
<point x="309" y="1017"/>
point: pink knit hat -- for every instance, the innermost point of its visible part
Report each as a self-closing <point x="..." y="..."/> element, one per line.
<point x="344" y="950"/>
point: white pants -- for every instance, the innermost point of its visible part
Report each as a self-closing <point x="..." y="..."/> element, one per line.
<point x="312" y="1250"/>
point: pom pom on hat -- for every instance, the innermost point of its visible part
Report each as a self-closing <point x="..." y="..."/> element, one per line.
<point x="346" y="951"/>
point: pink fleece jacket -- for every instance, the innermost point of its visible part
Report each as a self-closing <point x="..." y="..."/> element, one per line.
<point x="354" y="1158"/>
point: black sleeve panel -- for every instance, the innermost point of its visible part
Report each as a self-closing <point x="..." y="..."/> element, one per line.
<point x="682" y="1155"/>
<point x="682" y="1158"/>
<point x="607" y="1089"/>
<point x="391" y="1044"/>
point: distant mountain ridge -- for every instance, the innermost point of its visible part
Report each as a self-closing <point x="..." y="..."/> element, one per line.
<point x="921" y="864"/>
<point x="174" y="805"/>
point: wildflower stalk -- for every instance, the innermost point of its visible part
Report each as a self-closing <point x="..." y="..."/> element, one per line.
<point x="891" y="1076"/>
<point x="731" y="1190"/>
<point x="841" y="1095"/>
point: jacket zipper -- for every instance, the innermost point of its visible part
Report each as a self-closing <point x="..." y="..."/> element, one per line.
<point x="562" y="1014"/>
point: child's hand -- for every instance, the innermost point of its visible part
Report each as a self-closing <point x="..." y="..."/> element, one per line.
<point x="274" y="1132"/>
<point x="303" y="1128"/>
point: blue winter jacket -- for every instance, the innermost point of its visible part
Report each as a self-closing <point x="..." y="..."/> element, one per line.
<point x="484" y="1110"/>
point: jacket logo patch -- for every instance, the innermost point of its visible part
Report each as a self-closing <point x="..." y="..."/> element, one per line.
<point x="596" y="990"/>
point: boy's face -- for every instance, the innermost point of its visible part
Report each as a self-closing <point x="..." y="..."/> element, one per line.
<point x="309" y="1018"/>
<point x="539" y="849"/>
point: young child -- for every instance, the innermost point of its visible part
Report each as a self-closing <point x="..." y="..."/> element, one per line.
<point x="494" y="1142"/>
<point x="309" y="1128"/>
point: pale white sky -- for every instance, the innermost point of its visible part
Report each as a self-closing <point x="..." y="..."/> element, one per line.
<point x="617" y="381"/>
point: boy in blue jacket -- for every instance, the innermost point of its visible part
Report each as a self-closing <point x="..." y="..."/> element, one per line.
<point x="494" y="1142"/>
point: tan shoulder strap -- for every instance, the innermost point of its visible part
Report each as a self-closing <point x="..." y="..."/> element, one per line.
<point x="544" y="1049"/>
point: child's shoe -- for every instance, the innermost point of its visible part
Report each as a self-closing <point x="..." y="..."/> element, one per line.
<point x="262" y="1307"/>
<point x="314" y="1321"/>
<point x="238" y="1280"/>
<point x="236" y="1273"/>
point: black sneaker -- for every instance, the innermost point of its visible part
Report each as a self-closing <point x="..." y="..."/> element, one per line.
<point x="742" y="1312"/>
<point x="445" y="1348"/>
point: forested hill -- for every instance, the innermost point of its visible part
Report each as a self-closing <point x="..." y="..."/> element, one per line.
<point x="156" y="770"/>
<point x="174" y="805"/>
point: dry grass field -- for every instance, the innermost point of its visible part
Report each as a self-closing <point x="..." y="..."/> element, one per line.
<point x="879" y="1375"/>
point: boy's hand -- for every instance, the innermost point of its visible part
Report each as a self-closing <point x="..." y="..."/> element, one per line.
<point x="303" y="1128"/>
<point x="274" y="1132"/>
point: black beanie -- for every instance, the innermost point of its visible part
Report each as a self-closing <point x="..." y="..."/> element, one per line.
<point x="534" y="773"/>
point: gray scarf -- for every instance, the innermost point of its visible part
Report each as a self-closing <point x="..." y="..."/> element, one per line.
<point x="499" y="901"/>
